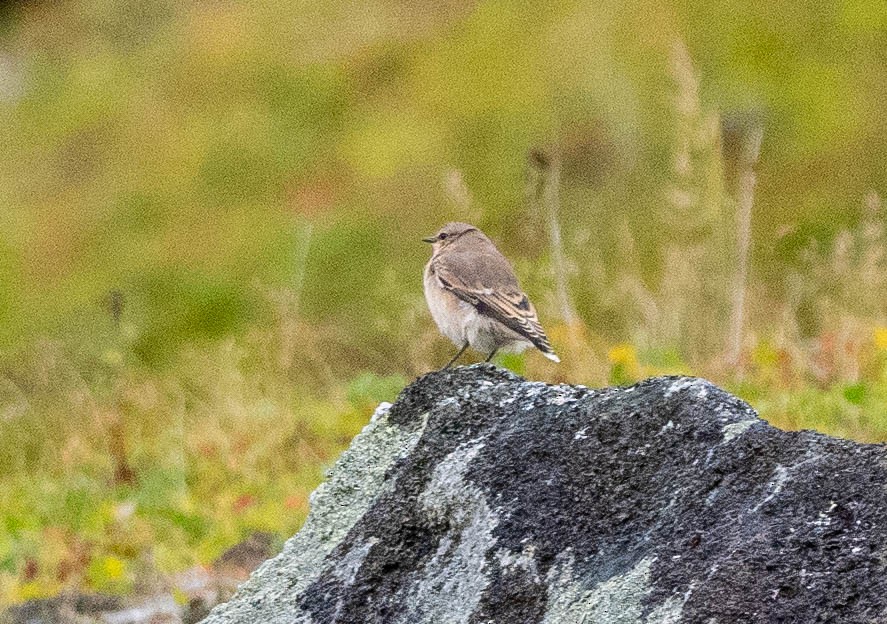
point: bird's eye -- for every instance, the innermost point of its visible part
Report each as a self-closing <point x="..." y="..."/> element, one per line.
<point x="442" y="235"/>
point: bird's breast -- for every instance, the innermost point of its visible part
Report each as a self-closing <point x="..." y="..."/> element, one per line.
<point x="451" y="314"/>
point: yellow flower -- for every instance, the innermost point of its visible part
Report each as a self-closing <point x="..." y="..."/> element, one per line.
<point x="108" y="573"/>
<point x="32" y="590"/>
<point x="625" y="366"/>
<point x="113" y="568"/>
<point x="624" y="354"/>
<point x="881" y="337"/>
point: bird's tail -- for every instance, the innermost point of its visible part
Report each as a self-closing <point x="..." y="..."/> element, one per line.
<point x="532" y="329"/>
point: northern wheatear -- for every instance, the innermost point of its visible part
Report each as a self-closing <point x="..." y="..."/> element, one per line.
<point x="474" y="296"/>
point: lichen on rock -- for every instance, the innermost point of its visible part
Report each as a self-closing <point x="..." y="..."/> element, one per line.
<point x="480" y="497"/>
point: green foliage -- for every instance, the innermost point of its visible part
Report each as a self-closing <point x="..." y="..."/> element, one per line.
<point x="109" y="574"/>
<point x="189" y="306"/>
<point x="176" y="468"/>
<point x="175" y="160"/>
<point x="368" y="390"/>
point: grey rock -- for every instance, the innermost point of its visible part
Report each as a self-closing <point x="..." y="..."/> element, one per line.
<point x="480" y="497"/>
<point x="66" y="608"/>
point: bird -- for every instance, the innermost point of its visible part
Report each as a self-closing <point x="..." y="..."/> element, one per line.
<point x="474" y="297"/>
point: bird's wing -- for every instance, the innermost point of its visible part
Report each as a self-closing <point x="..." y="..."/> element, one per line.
<point x="493" y="290"/>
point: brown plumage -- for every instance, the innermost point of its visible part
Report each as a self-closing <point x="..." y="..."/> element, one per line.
<point x="474" y="296"/>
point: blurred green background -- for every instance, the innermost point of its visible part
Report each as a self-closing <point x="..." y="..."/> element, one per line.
<point x="211" y="213"/>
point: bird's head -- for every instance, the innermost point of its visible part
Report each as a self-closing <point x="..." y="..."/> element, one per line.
<point x="449" y="234"/>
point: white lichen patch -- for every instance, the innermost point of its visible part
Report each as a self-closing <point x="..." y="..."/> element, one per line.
<point x="564" y="394"/>
<point x="618" y="600"/>
<point x="530" y="393"/>
<point x="448" y="401"/>
<point x="381" y="411"/>
<point x="669" y="612"/>
<point x="524" y="560"/>
<point x="774" y="486"/>
<point x="348" y="567"/>
<point x="354" y="484"/>
<point x="449" y="474"/>
<point x="452" y="582"/>
<point x="701" y="386"/>
<point x="736" y="429"/>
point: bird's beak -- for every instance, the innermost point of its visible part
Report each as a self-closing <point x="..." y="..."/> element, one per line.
<point x="430" y="239"/>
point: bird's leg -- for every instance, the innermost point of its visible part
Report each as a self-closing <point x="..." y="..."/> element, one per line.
<point x="492" y="353"/>
<point x="456" y="357"/>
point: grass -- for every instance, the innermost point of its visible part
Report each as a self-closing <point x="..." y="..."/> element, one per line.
<point x="116" y="480"/>
<point x="112" y="481"/>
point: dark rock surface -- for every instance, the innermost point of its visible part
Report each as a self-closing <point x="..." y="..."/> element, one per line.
<point x="63" y="609"/>
<point x="480" y="497"/>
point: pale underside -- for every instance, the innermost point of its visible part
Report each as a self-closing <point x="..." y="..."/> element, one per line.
<point x="461" y="322"/>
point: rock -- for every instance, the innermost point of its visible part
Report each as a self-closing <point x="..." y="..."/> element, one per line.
<point x="480" y="497"/>
<point x="203" y="588"/>
<point x="66" y="608"/>
<point x="241" y="559"/>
